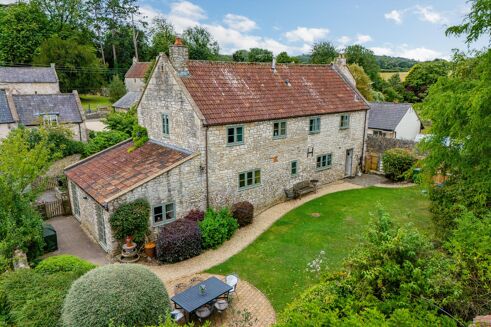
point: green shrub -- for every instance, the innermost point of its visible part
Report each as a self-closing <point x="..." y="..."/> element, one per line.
<point x="64" y="263"/>
<point x="396" y="162"/>
<point x="116" y="89"/>
<point x="128" y="295"/>
<point x="34" y="297"/>
<point x="131" y="219"/>
<point x="122" y="121"/>
<point x="217" y="227"/>
<point x="243" y="212"/>
<point x="103" y="140"/>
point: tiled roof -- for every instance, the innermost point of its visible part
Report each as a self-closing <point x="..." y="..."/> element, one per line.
<point x="31" y="107"/>
<point x="127" y="100"/>
<point x="386" y="115"/>
<point x="229" y="93"/>
<point x="28" y="75"/>
<point x="116" y="171"/>
<point x="5" y="113"/>
<point x="137" y="70"/>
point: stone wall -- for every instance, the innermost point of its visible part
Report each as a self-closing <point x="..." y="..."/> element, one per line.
<point x="134" y="84"/>
<point x="88" y="218"/>
<point x="32" y="88"/>
<point x="165" y="93"/>
<point x="274" y="156"/>
<point x="5" y="129"/>
<point x="376" y="144"/>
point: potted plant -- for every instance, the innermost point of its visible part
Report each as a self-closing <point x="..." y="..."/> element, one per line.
<point x="149" y="247"/>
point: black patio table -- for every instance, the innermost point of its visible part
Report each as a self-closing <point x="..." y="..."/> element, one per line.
<point x="192" y="298"/>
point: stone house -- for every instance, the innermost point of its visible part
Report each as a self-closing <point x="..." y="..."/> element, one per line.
<point x="233" y="131"/>
<point x="33" y="110"/>
<point x="30" y="80"/>
<point x="134" y="81"/>
<point x="394" y="120"/>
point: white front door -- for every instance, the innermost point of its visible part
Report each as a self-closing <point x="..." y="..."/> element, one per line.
<point x="348" y="169"/>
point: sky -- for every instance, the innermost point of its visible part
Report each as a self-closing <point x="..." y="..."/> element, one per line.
<point x="411" y="29"/>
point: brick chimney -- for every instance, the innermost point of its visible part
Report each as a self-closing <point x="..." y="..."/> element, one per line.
<point x="342" y="68"/>
<point x="179" y="56"/>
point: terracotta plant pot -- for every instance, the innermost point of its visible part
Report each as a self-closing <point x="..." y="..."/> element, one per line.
<point x="149" y="249"/>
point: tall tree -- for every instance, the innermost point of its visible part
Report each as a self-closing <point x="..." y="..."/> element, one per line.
<point x="123" y="41"/>
<point x="23" y="27"/>
<point x="363" y="82"/>
<point x="240" y="56"/>
<point x="357" y="54"/>
<point x="422" y="76"/>
<point x="200" y="43"/>
<point x="477" y="23"/>
<point x="163" y="36"/>
<point x="323" y="53"/>
<point x="260" y="55"/>
<point x="284" y="58"/>
<point x="78" y="67"/>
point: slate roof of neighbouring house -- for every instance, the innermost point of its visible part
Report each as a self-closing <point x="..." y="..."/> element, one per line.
<point x="386" y="115"/>
<point x="127" y="100"/>
<point x="28" y="75"/>
<point x="228" y="93"/>
<point x="5" y="113"/>
<point x="137" y="70"/>
<point x="115" y="171"/>
<point x="30" y="108"/>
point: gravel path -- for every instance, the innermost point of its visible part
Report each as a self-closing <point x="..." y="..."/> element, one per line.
<point x="243" y="237"/>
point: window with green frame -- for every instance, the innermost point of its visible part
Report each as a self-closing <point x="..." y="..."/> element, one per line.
<point x="163" y="213"/>
<point x="279" y="129"/>
<point x="344" y="123"/>
<point x="324" y="161"/>
<point x="249" y="179"/>
<point x="294" y="168"/>
<point x="314" y="125"/>
<point x="165" y="125"/>
<point x="235" y="135"/>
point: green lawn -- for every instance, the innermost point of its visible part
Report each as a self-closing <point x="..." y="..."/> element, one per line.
<point x="94" y="101"/>
<point x="276" y="262"/>
<point x="387" y="75"/>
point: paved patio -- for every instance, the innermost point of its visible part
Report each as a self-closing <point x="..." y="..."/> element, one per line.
<point x="249" y="307"/>
<point x="72" y="240"/>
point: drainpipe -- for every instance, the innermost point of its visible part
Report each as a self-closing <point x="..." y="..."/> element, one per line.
<point x="206" y="163"/>
<point x="364" y="141"/>
<point x="79" y="132"/>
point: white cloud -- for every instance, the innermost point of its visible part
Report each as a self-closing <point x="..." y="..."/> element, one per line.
<point x="363" y="38"/>
<point x="7" y="2"/>
<point x="148" y="13"/>
<point x="307" y="35"/>
<point x="344" y="40"/>
<point x="419" y="53"/>
<point x="185" y="14"/>
<point x="427" y="14"/>
<point x="395" y="15"/>
<point x="239" y="23"/>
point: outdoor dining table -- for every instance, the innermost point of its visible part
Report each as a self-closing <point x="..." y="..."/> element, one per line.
<point x="194" y="298"/>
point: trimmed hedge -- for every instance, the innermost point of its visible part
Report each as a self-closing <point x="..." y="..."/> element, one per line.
<point x="195" y="215"/>
<point x="64" y="263"/>
<point x="397" y="162"/>
<point x="131" y="219"/>
<point x="217" y="227"/>
<point x="128" y="295"/>
<point x="243" y="212"/>
<point x="178" y="241"/>
<point x="34" y="297"/>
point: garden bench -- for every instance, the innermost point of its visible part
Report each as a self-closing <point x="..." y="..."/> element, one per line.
<point x="302" y="188"/>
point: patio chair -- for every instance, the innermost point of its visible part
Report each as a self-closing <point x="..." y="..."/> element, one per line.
<point x="221" y="305"/>
<point x="204" y="312"/>
<point x="232" y="280"/>
<point x="177" y="316"/>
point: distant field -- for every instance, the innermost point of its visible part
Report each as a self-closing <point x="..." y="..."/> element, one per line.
<point x="387" y="75"/>
<point x="94" y="101"/>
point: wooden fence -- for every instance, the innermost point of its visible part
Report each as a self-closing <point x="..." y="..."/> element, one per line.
<point x="45" y="183"/>
<point x="372" y="162"/>
<point x="58" y="207"/>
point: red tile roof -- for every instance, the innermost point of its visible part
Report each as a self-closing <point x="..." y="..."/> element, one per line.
<point x="115" y="171"/>
<point x="137" y="70"/>
<point x="228" y="93"/>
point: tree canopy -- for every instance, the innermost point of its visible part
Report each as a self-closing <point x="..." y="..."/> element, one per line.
<point x="363" y="82"/>
<point x="422" y="76"/>
<point x="323" y="53"/>
<point x="260" y="55"/>
<point x="477" y="22"/>
<point x="201" y="44"/>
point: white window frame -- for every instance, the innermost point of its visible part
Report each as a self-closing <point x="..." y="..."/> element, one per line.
<point x="50" y="119"/>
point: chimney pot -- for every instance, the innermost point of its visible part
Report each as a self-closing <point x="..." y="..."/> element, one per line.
<point x="178" y="41"/>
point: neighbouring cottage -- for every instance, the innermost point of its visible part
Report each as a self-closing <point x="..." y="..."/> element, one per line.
<point x="393" y="120"/>
<point x="134" y="81"/>
<point x="223" y="132"/>
<point x="33" y="110"/>
<point x="30" y="80"/>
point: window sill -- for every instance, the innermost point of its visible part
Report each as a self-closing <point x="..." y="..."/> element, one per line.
<point x="279" y="137"/>
<point x="313" y="133"/>
<point x="343" y="128"/>
<point x="245" y="188"/>
<point x="162" y="223"/>
<point x="323" y="168"/>
<point x="234" y="144"/>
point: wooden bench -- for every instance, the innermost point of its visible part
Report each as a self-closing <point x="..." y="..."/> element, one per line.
<point x="300" y="189"/>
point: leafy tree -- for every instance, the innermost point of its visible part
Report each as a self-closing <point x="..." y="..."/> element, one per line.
<point x="116" y="89"/>
<point x="477" y="22"/>
<point x="23" y="27"/>
<point x="395" y="84"/>
<point x="284" y="58"/>
<point x="241" y="56"/>
<point x="201" y="44"/>
<point x="131" y="219"/>
<point x="122" y="121"/>
<point x="357" y="54"/>
<point x="260" y="55"/>
<point x="422" y="76"/>
<point x="363" y="82"/>
<point x="323" y="53"/>
<point x="103" y="140"/>
<point x="122" y="41"/>
<point x="163" y="36"/>
<point x="389" y="63"/>
<point x="78" y="66"/>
